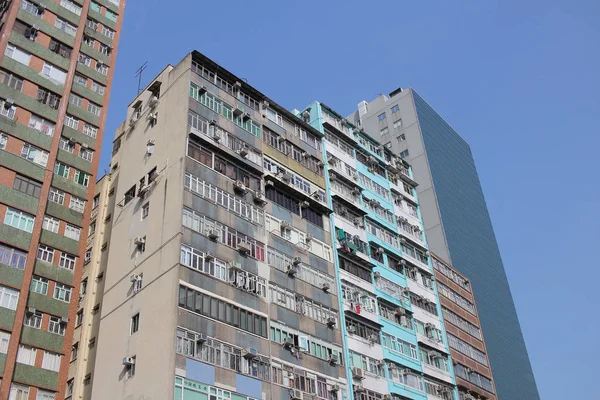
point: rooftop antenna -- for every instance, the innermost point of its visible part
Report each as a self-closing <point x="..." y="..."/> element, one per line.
<point x="138" y="75"/>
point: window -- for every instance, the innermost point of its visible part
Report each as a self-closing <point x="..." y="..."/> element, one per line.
<point x="51" y="361"/>
<point x="363" y="330"/>
<point x="109" y="33"/>
<point x="131" y="369"/>
<point x="19" y="219"/>
<point x="3" y="141"/>
<point x="67" y="261"/>
<point x="104" y="49"/>
<point x="381" y="117"/>
<point x="56" y="326"/>
<point x="19" y="392"/>
<point x="56" y="196"/>
<point x="77" y="204"/>
<point x="11" y="80"/>
<point x="7" y="110"/>
<point x="102" y="68"/>
<point x="400" y="346"/>
<point x="33" y="320"/>
<point x="8" y="297"/>
<point x="81" y="178"/>
<point x="98" y="88"/>
<point x="44" y="395"/>
<point x="32" y="9"/>
<point x="12" y="257"/>
<point x="71" y="122"/>
<point x="467" y="349"/>
<point x="26" y="355"/>
<point x="69" y="5"/>
<point x="54" y="73"/>
<point x="45" y="253"/>
<point x="367" y="363"/>
<point x="27" y="186"/>
<point x="74" y="99"/>
<point x="90" y="130"/>
<point x="62" y="169"/>
<point x="397" y="125"/>
<point x="51" y="224"/>
<point x="135" y="323"/>
<point x="145" y="210"/>
<point x="403" y="154"/>
<point x="62" y="292"/>
<point x="39" y="285"/>
<point x="94" y="108"/>
<point x="80" y="80"/>
<point x="72" y="232"/>
<point x="395" y="109"/>
<point x="17" y="54"/>
<point x="4" y="340"/>
<point x="384" y="131"/>
<point x="34" y="154"/>
<point x="74" y="351"/>
<point x="462" y="323"/>
<point x="48" y="98"/>
<point x="355" y="269"/>
<point x="79" y="318"/>
<point x="65" y="26"/>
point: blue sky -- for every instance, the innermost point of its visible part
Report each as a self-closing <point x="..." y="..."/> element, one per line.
<point x="518" y="80"/>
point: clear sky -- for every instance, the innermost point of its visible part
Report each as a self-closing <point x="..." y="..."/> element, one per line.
<point x="518" y="79"/>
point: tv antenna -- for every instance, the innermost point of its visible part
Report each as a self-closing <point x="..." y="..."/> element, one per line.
<point x="138" y="75"/>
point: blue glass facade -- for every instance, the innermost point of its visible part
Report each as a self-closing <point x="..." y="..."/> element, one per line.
<point x="474" y="251"/>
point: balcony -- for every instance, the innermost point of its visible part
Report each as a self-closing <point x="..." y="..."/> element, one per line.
<point x="285" y="181"/>
<point x="337" y="125"/>
<point x="338" y="170"/>
<point x="358" y="310"/>
<point x="350" y="228"/>
<point x="432" y="342"/>
<point x="349" y="198"/>
<point x="353" y="249"/>
<point x="437" y="373"/>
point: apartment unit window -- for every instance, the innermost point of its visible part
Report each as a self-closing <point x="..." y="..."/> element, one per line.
<point x="27" y="186"/>
<point x="62" y="292"/>
<point x="81" y="178"/>
<point x="135" y="323"/>
<point x="31" y="8"/>
<point x="74" y="99"/>
<point x="90" y="23"/>
<point x="88" y="41"/>
<point x="462" y="323"/>
<point x="230" y="202"/>
<point x="355" y="269"/>
<point x="56" y="196"/>
<point x="33" y="320"/>
<point x="405" y="376"/>
<point x="72" y="232"/>
<point x="79" y="318"/>
<point x="384" y="131"/>
<point x="74" y="351"/>
<point x="51" y="361"/>
<point x="467" y="349"/>
<point x="4" y="340"/>
<point x="359" y="299"/>
<point x="54" y="73"/>
<point x="62" y="169"/>
<point x="397" y="125"/>
<point x="19" y="219"/>
<point x="363" y="330"/>
<point x="130" y="373"/>
<point x="434" y="358"/>
<point x="51" y="224"/>
<point x="80" y="80"/>
<point x="3" y="141"/>
<point x="456" y="298"/>
<point x="390" y="312"/>
<point x="222" y="311"/>
<point x="71" y="122"/>
<point x="395" y="109"/>
<point x="86" y="154"/>
<point x="8" y="298"/>
<point x="279" y="260"/>
<point x="98" y="88"/>
<point x="400" y="346"/>
<point x="381" y="117"/>
<point x="56" y="326"/>
<point x="17" y="54"/>
<point x="367" y="363"/>
<point x="44" y="395"/>
<point x="423" y="303"/>
<point x="34" y="154"/>
<point x="104" y="49"/>
<point x="374" y="186"/>
<point x="66" y="144"/>
<point x="7" y="110"/>
<point x="450" y="273"/>
<point x="26" y="355"/>
<point x="102" y="68"/>
<point x="109" y="33"/>
<point x="403" y="154"/>
<point x="39" y="285"/>
<point x="48" y="98"/>
<point x="95" y="7"/>
<point x="145" y="210"/>
<point x="67" y="261"/>
<point x="77" y="204"/>
<point x="90" y="130"/>
<point x="94" y="108"/>
<point x="69" y="5"/>
<point x="12" y="257"/>
<point x="45" y="253"/>
<point x="11" y="80"/>
<point x="19" y="392"/>
<point x="473" y="377"/>
<point x="308" y="344"/>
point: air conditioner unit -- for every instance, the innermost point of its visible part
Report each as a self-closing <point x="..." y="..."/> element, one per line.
<point x="334" y="388"/>
<point x="331" y="322"/>
<point x="405" y="371"/>
<point x="152" y="117"/>
<point x="133" y="120"/>
<point x="379" y="250"/>
<point x="316" y="195"/>
<point x="139" y="241"/>
<point x="358" y="373"/>
<point x="244" y="247"/>
<point x="356" y="191"/>
<point x="143" y="190"/>
<point x="202" y="338"/>
<point x="400" y="311"/>
<point x="297" y="261"/>
<point x="153" y="101"/>
<point x="387" y="397"/>
<point x="433" y="354"/>
<point x="258" y="197"/>
<point x="325" y="287"/>
<point x="359" y="388"/>
<point x="354" y="176"/>
<point x="296" y="394"/>
<point x="246" y="116"/>
<point x="201" y="90"/>
<point x="239" y="186"/>
<point x="429" y="325"/>
<point x="284" y="225"/>
<point x="237" y="112"/>
<point x="249" y="353"/>
<point x="358" y="221"/>
<point x="214" y="234"/>
<point x="287" y="177"/>
<point x="243" y="152"/>
<point x="234" y="265"/>
<point x="265" y="104"/>
<point x="208" y="256"/>
<point x="64" y="320"/>
<point x="216" y="136"/>
<point x="304" y="204"/>
<point x="288" y="343"/>
<point x="333" y="359"/>
<point x="351" y="329"/>
<point x="377" y="275"/>
<point x="31" y="310"/>
<point x="128" y="361"/>
<point x="291" y="270"/>
<point x="373" y="338"/>
<point x="308" y="238"/>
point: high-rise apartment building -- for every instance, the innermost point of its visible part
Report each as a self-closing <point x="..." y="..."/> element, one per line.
<point x="467" y="345"/>
<point x="457" y="223"/>
<point x="55" y="78"/>
<point x="229" y="276"/>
